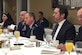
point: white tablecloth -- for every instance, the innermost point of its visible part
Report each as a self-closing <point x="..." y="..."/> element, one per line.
<point x="29" y="50"/>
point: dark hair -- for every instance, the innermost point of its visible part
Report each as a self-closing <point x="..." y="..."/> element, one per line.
<point x="32" y="14"/>
<point x="9" y="20"/>
<point x="63" y="10"/>
<point x="8" y="15"/>
<point x="41" y="12"/>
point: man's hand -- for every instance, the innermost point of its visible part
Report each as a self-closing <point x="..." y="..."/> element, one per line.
<point x="61" y="46"/>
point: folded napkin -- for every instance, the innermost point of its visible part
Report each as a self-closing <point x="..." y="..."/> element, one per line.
<point x="29" y="46"/>
<point x="48" y="51"/>
<point x="15" y="48"/>
<point x="12" y="26"/>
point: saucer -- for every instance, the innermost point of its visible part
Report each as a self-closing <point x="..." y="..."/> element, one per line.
<point x="32" y="40"/>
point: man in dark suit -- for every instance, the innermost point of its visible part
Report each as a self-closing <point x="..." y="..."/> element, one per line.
<point x="32" y="27"/>
<point x="65" y="30"/>
<point x="21" y="24"/>
<point x="42" y="20"/>
<point x="79" y="16"/>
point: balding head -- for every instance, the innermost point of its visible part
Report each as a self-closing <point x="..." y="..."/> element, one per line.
<point x="79" y="15"/>
<point x="79" y="11"/>
<point x="22" y="15"/>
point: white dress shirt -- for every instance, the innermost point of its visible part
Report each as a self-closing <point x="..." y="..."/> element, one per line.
<point x="58" y="29"/>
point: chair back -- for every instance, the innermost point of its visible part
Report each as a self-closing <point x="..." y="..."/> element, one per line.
<point x="48" y="31"/>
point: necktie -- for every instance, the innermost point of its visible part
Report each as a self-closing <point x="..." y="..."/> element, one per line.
<point x="23" y="26"/>
<point x="31" y="33"/>
<point x="54" y="30"/>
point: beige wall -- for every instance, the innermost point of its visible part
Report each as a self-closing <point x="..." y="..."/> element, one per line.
<point x="72" y="16"/>
<point x="10" y="6"/>
<point x="45" y="6"/>
<point x="40" y="5"/>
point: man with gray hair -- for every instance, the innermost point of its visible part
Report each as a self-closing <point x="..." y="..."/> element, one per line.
<point x="32" y="27"/>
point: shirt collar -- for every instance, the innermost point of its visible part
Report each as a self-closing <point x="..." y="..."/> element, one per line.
<point x="23" y="23"/>
<point x="31" y="25"/>
<point x="60" y="23"/>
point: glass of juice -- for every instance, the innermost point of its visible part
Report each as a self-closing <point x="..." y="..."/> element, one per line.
<point x="69" y="46"/>
<point x="17" y="35"/>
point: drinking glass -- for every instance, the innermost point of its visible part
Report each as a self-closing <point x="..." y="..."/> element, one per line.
<point x="47" y="38"/>
<point x="69" y="46"/>
<point x="6" y="47"/>
<point x="5" y="31"/>
<point x="1" y="30"/>
<point x="44" y="37"/>
<point x="17" y="35"/>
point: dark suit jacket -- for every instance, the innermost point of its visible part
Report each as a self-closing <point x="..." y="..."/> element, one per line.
<point x="38" y="31"/>
<point x="44" y="22"/>
<point x="21" y="27"/>
<point x="79" y="36"/>
<point x="67" y="32"/>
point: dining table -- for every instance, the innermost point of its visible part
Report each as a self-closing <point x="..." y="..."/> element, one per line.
<point x="28" y="47"/>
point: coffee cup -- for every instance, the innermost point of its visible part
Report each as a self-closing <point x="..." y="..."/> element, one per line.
<point x="55" y="43"/>
<point x="32" y="38"/>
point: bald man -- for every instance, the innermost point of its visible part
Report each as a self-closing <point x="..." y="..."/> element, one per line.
<point x="21" y="24"/>
<point x="79" y="17"/>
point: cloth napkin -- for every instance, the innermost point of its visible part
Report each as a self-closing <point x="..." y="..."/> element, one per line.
<point x="12" y="26"/>
<point x="50" y="51"/>
<point x="15" y="48"/>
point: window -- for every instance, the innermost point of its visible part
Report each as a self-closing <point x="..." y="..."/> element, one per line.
<point x="72" y="4"/>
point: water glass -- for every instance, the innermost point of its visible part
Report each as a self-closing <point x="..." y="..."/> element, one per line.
<point x="48" y="39"/>
<point x="5" y="31"/>
<point x="6" y="47"/>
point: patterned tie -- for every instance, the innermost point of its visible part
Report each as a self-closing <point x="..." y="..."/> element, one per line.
<point x="54" y="30"/>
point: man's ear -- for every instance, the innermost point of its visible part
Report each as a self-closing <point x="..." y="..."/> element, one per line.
<point x="62" y="15"/>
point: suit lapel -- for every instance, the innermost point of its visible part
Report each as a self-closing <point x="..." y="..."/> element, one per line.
<point x="62" y="30"/>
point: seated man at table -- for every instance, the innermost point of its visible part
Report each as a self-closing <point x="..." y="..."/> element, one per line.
<point x="21" y="24"/>
<point x="42" y="20"/>
<point x="64" y="30"/>
<point x="79" y="16"/>
<point x="32" y="27"/>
